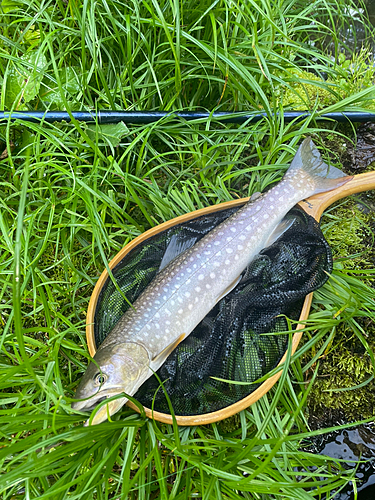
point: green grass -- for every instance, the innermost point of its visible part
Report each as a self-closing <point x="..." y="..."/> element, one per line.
<point x="72" y="195"/>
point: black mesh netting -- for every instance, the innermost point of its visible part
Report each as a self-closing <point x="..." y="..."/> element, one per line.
<point x="233" y="342"/>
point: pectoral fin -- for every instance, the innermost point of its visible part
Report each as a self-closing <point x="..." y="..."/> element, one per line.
<point x="159" y="359"/>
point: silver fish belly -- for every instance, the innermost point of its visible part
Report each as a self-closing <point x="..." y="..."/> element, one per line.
<point x="184" y="292"/>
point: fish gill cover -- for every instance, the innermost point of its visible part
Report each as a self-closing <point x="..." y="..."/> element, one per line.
<point x="229" y="343"/>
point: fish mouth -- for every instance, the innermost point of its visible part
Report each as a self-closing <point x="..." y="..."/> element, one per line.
<point x="89" y="404"/>
<point x="106" y="411"/>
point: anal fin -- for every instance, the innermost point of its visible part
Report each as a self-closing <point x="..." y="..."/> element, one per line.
<point x="279" y="230"/>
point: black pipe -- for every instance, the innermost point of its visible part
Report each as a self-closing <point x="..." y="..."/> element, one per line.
<point x="153" y="116"/>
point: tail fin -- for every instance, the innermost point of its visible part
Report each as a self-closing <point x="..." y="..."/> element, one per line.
<point x="308" y="161"/>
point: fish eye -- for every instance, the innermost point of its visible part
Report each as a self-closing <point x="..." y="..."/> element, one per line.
<point x="100" y="378"/>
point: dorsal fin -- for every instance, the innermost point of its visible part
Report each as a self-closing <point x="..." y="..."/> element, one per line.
<point x="175" y="247"/>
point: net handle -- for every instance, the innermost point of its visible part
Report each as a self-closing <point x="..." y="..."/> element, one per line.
<point x="315" y="206"/>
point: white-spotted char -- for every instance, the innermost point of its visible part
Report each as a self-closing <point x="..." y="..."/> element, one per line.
<point x="186" y="289"/>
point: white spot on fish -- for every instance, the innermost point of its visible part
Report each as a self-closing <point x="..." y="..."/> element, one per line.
<point x="208" y="286"/>
<point x="148" y="327"/>
<point x="240" y="247"/>
<point x="180" y="311"/>
<point x="157" y="315"/>
<point x="179" y="300"/>
<point x="157" y="325"/>
<point x="187" y="294"/>
<point x="167" y="330"/>
<point x="216" y="242"/>
<point x="212" y="275"/>
<point x="216" y="264"/>
<point x="242" y="237"/>
<point x="198" y="289"/>
<point x="167" y="322"/>
<point x="190" y="307"/>
<point x="229" y="238"/>
<point x="188" y="270"/>
<point x="229" y="250"/>
<point x="265" y="216"/>
<point x="227" y="262"/>
<point x="201" y="277"/>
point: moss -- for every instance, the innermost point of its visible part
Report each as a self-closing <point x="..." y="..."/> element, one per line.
<point x="230" y="424"/>
<point x="349" y="229"/>
<point x="303" y="95"/>
<point x="356" y="74"/>
<point x="306" y="90"/>
<point x="344" y="367"/>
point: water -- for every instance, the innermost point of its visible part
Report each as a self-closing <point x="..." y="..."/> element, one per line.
<point x="352" y="445"/>
<point x="355" y="36"/>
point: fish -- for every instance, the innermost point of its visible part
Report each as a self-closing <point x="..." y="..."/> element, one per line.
<point x="188" y="286"/>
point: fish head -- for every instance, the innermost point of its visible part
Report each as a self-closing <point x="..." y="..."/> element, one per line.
<point x="115" y="369"/>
